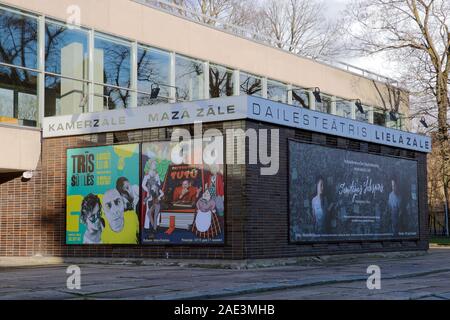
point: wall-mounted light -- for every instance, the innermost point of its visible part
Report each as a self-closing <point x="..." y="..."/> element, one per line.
<point x="393" y="116"/>
<point x="155" y="91"/>
<point x="299" y="98"/>
<point x="424" y="122"/>
<point x="27" y="175"/>
<point x="317" y="95"/>
<point x="359" y="106"/>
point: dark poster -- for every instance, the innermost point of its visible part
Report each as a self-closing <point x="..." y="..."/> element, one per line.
<point x="339" y="195"/>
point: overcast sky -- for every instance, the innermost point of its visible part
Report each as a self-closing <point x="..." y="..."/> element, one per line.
<point x="334" y="6"/>
<point x="378" y="64"/>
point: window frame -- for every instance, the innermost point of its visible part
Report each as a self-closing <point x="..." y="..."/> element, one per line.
<point x="201" y="84"/>
<point x="249" y="76"/>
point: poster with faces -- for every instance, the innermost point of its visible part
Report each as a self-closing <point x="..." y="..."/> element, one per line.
<point x="103" y="195"/>
<point x="337" y="195"/>
<point x="183" y="200"/>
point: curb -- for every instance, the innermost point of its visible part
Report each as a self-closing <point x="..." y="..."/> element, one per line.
<point x="26" y="262"/>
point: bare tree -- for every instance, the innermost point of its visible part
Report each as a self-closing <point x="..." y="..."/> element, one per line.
<point x="415" y="32"/>
<point x="18" y="46"/>
<point x="212" y="12"/>
<point x="300" y="26"/>
<point x="390" y="96"/>
<point x="216" y="9"/>
<point x="220" y="82"/>
<point x="243" y="13"/>
<point x="438" y="183"/>
<point x="179" y="3"/>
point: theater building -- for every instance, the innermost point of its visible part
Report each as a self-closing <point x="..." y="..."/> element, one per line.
<point x="93" y="92"/>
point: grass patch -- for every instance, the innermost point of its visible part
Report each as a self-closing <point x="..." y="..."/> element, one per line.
<point x="440" y="241"/>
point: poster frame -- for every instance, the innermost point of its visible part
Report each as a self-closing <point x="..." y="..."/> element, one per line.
<point x="309" y="242"/>
<point x="140" y="244"/>
<point x="99" y="245"/>
<point x="187" y="245"/>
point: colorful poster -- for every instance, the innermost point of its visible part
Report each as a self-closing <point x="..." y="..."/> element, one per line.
<point x="340" y="195"/>
<point x="103" y="195"/>
<point x="182" y="203"/>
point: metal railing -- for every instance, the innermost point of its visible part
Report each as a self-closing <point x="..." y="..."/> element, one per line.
<point x="197" y="17"/>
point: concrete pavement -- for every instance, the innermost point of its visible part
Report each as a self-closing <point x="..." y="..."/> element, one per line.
<point x="411" y="277"/>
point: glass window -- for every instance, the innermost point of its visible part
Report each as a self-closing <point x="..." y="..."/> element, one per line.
<point x="112" y="62"/>
<point x="66" y="51"/>
<point x="18" y="39"/>
<point x="65" y="96"/>
<point x="276" y="91"/>
<point x="189" y="79"/>
<point x="28" y="107"/>
<point x="6" y="103"/>
<point x="300" y="98"/>
<point x="18" y="96"/>
<point x="395" y="124"/>
<point x="325" y="105"/>
<point x="379" y="117"/>
<point x="403" y="123"/>
<point x="153" y="71"/>
<point x="251" y="85"/>
<point x="109" y="98"/>
<point x="146" y="99"/>
<point x="220" y="81"/>
<point x="364" y="117"/>
<point x="344" y="109"/>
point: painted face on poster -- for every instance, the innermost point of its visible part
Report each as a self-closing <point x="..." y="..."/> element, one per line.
<point x="114" y="209"/>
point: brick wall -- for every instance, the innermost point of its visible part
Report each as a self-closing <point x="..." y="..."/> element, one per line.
<point x="32" y="213"/>
<point x="266" y="225"/>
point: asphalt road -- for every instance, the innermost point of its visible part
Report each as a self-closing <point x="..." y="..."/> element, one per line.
<point x="419" y="277"/>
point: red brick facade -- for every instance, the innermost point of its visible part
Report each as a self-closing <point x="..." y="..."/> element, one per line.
<point x="32" y="213"/>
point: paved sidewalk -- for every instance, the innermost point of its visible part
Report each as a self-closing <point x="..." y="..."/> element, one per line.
<point x="419" y="277"/>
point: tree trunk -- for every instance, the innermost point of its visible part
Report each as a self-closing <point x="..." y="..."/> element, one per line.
<point x="442" y="102"/>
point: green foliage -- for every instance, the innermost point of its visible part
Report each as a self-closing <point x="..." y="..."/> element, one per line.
<point x="441" y="241"/>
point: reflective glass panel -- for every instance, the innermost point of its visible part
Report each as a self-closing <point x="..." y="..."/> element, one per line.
<point x="153" y="71"/>
<point x="66" y="51"/>
<point x="220" y="81"/>
<point x="300" y="98"/>
<point x="251" y="85"/>
<point x="344" y="109"/>
<point x="325" y="105"/>
<point x="109" y="98"/>
<point x="189" y="79"/>
<point x="363" y="116"/>
<point x="18" y="97"/>
<point x="18" y="39"/>
<point x="112" y="63"/>
<point x="276" y="91"/>
<point x="379" y="117"/>
<point x="65" y="96"/>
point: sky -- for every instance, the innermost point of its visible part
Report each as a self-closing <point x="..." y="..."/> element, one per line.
<point x="379" y="63"/>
